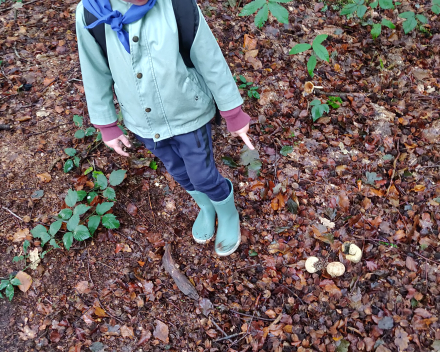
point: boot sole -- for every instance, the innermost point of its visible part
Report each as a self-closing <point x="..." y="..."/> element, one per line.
<point x="200" y="241"/>
<point x="234" y="248"/>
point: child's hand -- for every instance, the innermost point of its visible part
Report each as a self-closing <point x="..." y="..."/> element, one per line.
<point x="116" y="145"/>
<point x="242" y="134"/>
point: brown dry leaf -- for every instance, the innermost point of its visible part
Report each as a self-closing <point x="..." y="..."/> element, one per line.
<point x="83" y="287"/>
<point x="20" y="235"/>
<point x="366" y="203"/>
<point x="371" y="265"/>
<point x="256" y="63"/>
<point x="270" y="313"/>
<point x="132" y="209"/>
<point x="28" y="333"/>
<point x="411" y="263"/>
<point x="127" y="331"/>
<point x="147" y="287"/>
<point x="45" y="309"/>
<point x="100" y="312"/>
<point x="25" y="279"/>
<point x="333" y="290"/>
<point x="161" y="332"/>
<point x="146" y="336"/>
<point x="211" y="333"/>
<point x="419" y="188"/>
<point x="126" y="248"/>
<point x="401" y="339"/>
<point x="119" y="247"/>
<point x="344" y="202"/>
<point x="249" y="42"/>
<point x="44" y="177"/>
<point x="377" y="192"/>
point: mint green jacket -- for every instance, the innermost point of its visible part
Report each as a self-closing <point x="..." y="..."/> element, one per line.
<point x="159" y="96"/>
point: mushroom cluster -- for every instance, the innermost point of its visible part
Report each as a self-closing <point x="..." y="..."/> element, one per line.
<point x="352" y="252"/>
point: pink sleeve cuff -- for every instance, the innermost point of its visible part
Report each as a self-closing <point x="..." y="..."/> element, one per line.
<point x="110" y="131"/>
<point x="235" y="119"/>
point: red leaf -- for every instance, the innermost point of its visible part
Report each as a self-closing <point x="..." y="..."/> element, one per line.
<point x="119" y="247"/>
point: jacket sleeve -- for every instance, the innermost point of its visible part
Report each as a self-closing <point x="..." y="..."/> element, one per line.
<point x="96" y="75"/>
<point x="210" y="63"/>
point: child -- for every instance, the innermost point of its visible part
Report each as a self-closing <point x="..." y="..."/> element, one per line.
<point x="166" y="105"/>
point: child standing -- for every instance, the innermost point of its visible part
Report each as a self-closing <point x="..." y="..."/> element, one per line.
<point x="167" y="105"/>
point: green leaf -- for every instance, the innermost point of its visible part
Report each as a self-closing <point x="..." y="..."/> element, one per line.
<point x="45" y="238"/>
<point x="242" y="78"/>
<point x="70" y="151"/>
<point x="76" y="161"/>
<point x="299" y="48"/>
<point x="255" y="165"/>
<point x="262" y="16"/>
<point x="153" y="165"/>
<point x="78" y="120"/>
<point x="68" y="166"/>
<point x="343" y="346"/>
<point x="101" y="181"/>
<point x="311" y="64"/>
<point x="110" y="222"/>
<point x="91" y="196"/>
<point x="98" y="137"/>
<point x="409" y="25"/>
<point x="65" y="214"/>
<point x="3" y="284"/>
<point x="93" y="223"/>
<point x="80" y="209"/>
<point x="73" y="222"/>
<point x="102" y="208"/>
<point x="89" y="170"/>
<point x="247" y="156"/>
<point x="55" y="227"/>
<point x="318" y="111"/>
<point x="71" y="198"/>
<point x="79" y="134"/>
<point x="376" y="30"/>
<point x="388" y="23"/>
<point x="81" y="195"/>
<point x="320" y="38"/>
<point x="407" y="14"/>
<point x="242" y="86"/>
<point x="386" y="4"/>
<point x="26" y="245"/>
<point x="15" y="281"/>
<point x="38" y="231"/>
<point x="372" y="178"/>
<point x="436" y="10"/>
<point x="287" y="149"/>
<point x="349" y="9"/>
<point x="249" y="93"/>
<point x="17" y="259"/>
<point x="9" y="292"/>
<point x="67" y="240"/>
<point x="53" y="243"/>
<point x="116" y="177"/>
<point x="280" y="13"/>
<point x="90" y="131"/>
<point x="256" y="95"/>
<point x="361" y="10"/>
<point x="252" y="7"/>
<point x="315" y="102"/>
<point x="321" y="52"/>
<point x="124" y="131"/>
<point x="81" y="233"/>
<point x="283" y="1"/>
<point x="109" y="193"/>
<point x="228" y="161"/>
<point x="252" y="253"/>
<point x="374" y="4"/>
<point x="422" y="19"/>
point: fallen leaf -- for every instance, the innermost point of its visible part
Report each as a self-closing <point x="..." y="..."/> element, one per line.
<point x="401" y="339"/>
<point x="132" y="209"/>
<point x="119" y="247"/>
<point x="100" y="312"/>
<point x="127" y="331"/>
<point x="25" y="279"/>
<point x="44" y="177"/>
<point x="419" y="188"/>
<point x="28" y="333"/>
<point x="147" y="287"/>
<point x="34" y="258"/>
<point x="20" y="235"/>
<point x="270" y="313"/>
<point x="145" y="336"/>
<point x="371" y="265"/>
<point x="54" y="336"/>
<point x="161" y="332"/>
<point x="411" y="263"/>
<point x="83" y="287"/>
<point x="327" y="223"/>
<point x="249" y="42"/>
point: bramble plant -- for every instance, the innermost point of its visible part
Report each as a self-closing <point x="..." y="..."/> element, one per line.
<point x="334" y="102"/>
<point x="412" y="20"/>
<point x="263" y="7"/>
<point x="318" y="109"/>
<point x="252" y="90"/>
<point x="435" y="7"/>
<point x="70" y="163"/>
<point x="8" y="286"/>
<point x="318" y="49"/>
<point x="81" y="133"/>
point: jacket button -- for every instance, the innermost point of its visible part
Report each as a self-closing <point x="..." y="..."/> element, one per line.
<point x="135" y="38"/>
<point x="196" y="97"/>
<point x="157" y="136"/>
<point x="147" y="109"/>
<point x="139" y="75"/>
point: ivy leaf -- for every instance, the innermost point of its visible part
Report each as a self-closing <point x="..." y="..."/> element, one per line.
<point x="71" y="198"/>
<point x="436" y="9"/>
<point x="349" y="9"/>
<point x="116" y="177"/>
<point x="70" y="151"/>
<point x="109" y="193"/>
<point x="68" y="166"/>
<point x="55" y="227"/>
<point x="26" y="245"/>
<point x="311" y="64"/>
<point x="321" y="52"/>
<point x="318" y="111"/>
<point x="81" y="233"/>
<point x="372" y="178"/>
<point x="262" y="16"/>
<point x="73" y="222"/>
<point x="93" y="223"/>
<point x="252" y="7"/>
<point x="65" y="214"/>
<point x="315" y="102"/>
<point x="102" y="208"/>
<point x="361" y="10"/>
<point x="110" y="222"/>
<point x="374" y="4"/>
<point x="287" y="149"/>
<point x="388" y="23"/>
<point x="343" y="346"/>
<point x="101" y="181"/>
<point x="79" y="134"/>
<point x="81" y="209"/>
<point x="407" y="14"/>
<point x="81" y="195"/>
<point x="247" y="156"/>
<point x="299" y="48"/>
<point x="45" y="237"/>
<point x="376" y="30"/>
<point x="67" y="240"/>
<point x="280" y="13"/>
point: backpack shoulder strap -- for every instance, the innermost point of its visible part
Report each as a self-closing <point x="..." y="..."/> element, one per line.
<point x="98" y="32"/>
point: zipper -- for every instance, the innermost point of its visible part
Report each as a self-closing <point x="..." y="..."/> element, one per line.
<point x="197" y="139"/>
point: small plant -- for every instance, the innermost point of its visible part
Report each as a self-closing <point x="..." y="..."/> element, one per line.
<point x="411" y="20"/>
<point x="81" y="133"/>
<point x="435" y="7"/>
<point x="334" y="102"/>
<point x="8" y="286"/>
<point x="263" y="7"/>
<point x="252" y="90"/>
<point x="318" y="49"/>
<point x="318" y="109"/>
<point x="71" y="162"/>
<point x="376" y="29"/>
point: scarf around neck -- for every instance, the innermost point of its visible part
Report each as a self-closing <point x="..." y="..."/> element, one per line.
<point x="102" y="10"/>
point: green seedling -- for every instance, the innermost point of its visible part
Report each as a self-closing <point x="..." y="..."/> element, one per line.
<point x="7" y="286"/>
<point x="412" y="20"/>
<point x="81" y="133"/>
<point x="252" y="90"/>
<point x="319" y="50"/>
<point x="263" y="7"/>
<point x="376" y="29"/>
<point x="435" y="6"/>
<point x="388" y="244"/>
<point x="318" y="109"/>
<point x="334" y="102"/>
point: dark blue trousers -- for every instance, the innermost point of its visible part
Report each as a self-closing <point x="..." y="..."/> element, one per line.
<point x="190" y="160"/>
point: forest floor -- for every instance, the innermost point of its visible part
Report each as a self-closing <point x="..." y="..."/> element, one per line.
<point x="366" y="172"/>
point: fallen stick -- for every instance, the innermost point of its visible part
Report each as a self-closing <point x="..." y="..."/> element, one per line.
<point x="5" y="127"/>
<point x="180" y="279"/>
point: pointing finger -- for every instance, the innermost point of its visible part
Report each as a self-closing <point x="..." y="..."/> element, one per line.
<point x="246" y="140"/>
<point x="125" y="140"/>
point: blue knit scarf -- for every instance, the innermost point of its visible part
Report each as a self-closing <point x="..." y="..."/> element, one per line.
<point x="102" y="10"/>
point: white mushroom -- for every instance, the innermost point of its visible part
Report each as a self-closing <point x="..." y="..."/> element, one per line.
<point x="335" y="269"/>
<point x="311" y="266"/>
<point x="352" y="252"/>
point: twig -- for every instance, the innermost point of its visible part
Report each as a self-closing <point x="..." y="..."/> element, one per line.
<point x="129" y="238"/>
<point x="341" y="94"/>
<point x="250" y="316"/>
<point x="50" y="129"/>
<point x="13" y="213"/>
<point x="15" y="50"/>
<point x="229" y="337"/>
<point x="293" y="293"/>
<point x="394" y="168"/>
<point x="52" y="82"/>
<point x="218" y="327"/>
<point x="12" y="7"/>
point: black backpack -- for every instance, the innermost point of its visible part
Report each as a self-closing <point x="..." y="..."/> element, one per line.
<point x="187" y="18"/>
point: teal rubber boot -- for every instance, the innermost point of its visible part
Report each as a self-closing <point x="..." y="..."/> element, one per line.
<point x="204" y="226"/>
<point x="228" y="236"/>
